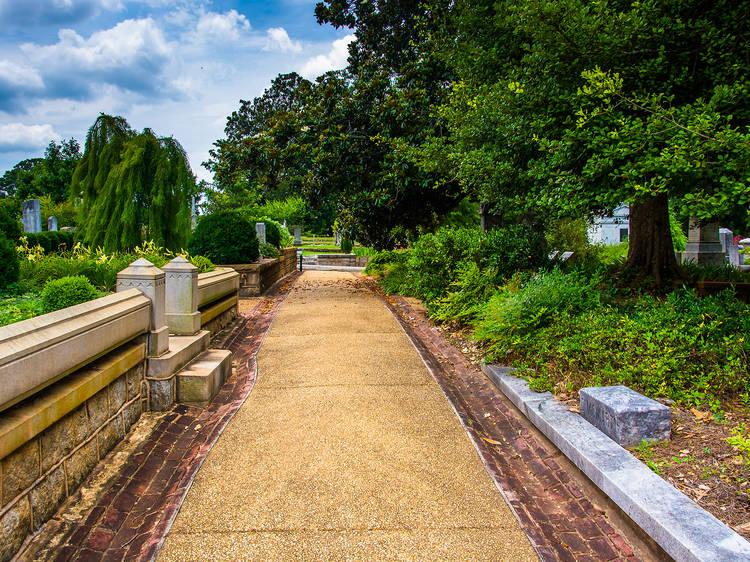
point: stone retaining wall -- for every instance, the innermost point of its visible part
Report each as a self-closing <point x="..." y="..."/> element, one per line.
<point x="50" y="465"/>
<point x="256" y="278"/>
<point x="345" y="260"/>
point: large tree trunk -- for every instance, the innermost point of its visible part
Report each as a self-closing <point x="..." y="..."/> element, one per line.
<point x="651" y="252"/>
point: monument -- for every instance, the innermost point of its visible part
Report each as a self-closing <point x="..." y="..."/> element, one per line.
<point x="32" y="216"/>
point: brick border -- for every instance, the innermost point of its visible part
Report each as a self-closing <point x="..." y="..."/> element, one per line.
<point x="561" y="523"/>
<point x="132" y="518"/>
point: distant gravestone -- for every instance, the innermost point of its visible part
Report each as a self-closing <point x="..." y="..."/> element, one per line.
<point x="52" y="224"/>
<point x="298" y="236"/>
<point x="566" y="256"/>
<point x="260" y="231"/>
<point x="703" y="246"/>
<point x="338" y="238"/>
<point x="726" y="237"/>
<point x="32" y="216"/>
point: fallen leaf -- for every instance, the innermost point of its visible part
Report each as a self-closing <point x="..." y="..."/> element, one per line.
<point x="704" y="487"/>
<point x="575" y="410"/>
<point x="700" y="415"/>
<point x="491" y="441"/>
<point x="743" y="528"/>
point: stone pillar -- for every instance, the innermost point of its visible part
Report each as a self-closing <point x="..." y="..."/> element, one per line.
<point x="182" y="313"/>
<point x="52" y="224"/>
<point x="260" y="231"/>
<point x="298" y="236"/>
<point x="141" y="274"/>
<point x="32" y="216"/>
<point x="703" y="246"/>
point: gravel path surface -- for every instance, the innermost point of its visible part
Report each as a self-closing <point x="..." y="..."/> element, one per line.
<point x="345" y="449"/>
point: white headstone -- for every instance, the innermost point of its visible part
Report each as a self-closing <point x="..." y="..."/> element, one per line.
<point x="726" y="237"/>
<point x="703" y="246"/>
<point x="32" y="216"/>
<point x="260" y="231"/>
<point x="52" y="224"/>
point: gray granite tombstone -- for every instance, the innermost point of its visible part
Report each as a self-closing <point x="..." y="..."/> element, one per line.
<point x="626" y="416"/>
<point x="703" y="246"/>
<point x="260" y="231"/>
<point x="726" y="237"/>
<point x="32" y="216"/>
<point x="298" y="236"/>
<point x="52" y="224"/>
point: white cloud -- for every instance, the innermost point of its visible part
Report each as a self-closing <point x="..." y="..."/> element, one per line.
<point x="334" y="60"/>
<point x="21" y="76"/>
<point x="132" y="55"/>
<point x="213" y="26"/>
<point x="17" y="136"/>
<point x="277" y="39"/>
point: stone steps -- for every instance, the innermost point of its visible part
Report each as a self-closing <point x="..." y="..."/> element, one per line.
<point x="200" y="380"/>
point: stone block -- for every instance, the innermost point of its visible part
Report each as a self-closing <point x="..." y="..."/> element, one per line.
<point x="150" y="280"/>
<point x="98" y="409"/>
<point x="260" y="232"/>
<point x="624" y="415"/>
<point x="32" y="216"/>
<point x="62" y="437"/>
<point x="20" y="469"/>
<point x="118" y="393"/>
<point x="14" y="526"/>
<point x="134" y="378"/>
<point x="199" y="382"/>
<point x="162" y="393"/>
<point x="110" y="435"/>
<point x="80" y="464"/>
<point x="182" y="296"/>
<point x="131" y="414"/>
<point x="46" y="497"/>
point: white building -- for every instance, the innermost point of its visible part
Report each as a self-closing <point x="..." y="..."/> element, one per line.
<point x="611" y="229"/>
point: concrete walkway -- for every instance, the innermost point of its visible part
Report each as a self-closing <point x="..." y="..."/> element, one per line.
<point x="345" y="449"/>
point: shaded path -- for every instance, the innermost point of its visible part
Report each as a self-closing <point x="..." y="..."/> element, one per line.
<point x="346" y="449"/>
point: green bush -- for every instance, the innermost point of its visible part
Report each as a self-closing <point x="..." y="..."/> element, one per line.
<point x="391" y="266"/>
<point x="51" y="241"/>
<point x="9" y="260"/>
<point x="10" y="226"/>
<point x="514" y="248"/>
<point x="67" y="291"/>
<point x="436" y="259"/>
<point x="467" y="295"/>
<point x="346" y="246"/>
<point x="225" y="237"/>
<point x="269" y="251"/>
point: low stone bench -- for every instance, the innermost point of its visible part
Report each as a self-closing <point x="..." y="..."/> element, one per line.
<point x="626" y="416"/>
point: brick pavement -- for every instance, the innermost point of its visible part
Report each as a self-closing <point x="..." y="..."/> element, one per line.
<point x="131" y="518"/>
<point x="551" y="507"/>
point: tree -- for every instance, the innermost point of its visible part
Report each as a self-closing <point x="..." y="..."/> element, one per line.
<point x="133" y="187"/>
<point x="51" y="175"/>
<point x="570" y="107"/>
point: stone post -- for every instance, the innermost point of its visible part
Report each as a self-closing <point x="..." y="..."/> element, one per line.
<point x="32" y="216"/>
<point x="52" y="224"/>
<point x="703" y="246"/>
<point x="182" y="297"/>
<point x="260" y="231"/>
<point x="141" y="274"/>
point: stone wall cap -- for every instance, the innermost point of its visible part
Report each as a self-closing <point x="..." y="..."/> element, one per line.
<point x="140" y="268"/>
<point x="179" y="264"/>
<point x="620" y="398"/>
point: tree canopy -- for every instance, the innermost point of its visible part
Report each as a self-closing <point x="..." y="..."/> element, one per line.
<point x="132" y="187"/>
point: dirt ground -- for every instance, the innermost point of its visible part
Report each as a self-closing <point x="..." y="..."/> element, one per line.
<point x="698" y="460"/>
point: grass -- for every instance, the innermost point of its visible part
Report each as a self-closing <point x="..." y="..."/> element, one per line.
<point x="20" y="307"/>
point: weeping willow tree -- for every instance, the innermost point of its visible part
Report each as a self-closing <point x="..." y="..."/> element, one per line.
<point x="132" y="187"/>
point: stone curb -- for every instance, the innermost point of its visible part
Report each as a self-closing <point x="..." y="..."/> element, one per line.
<point x="311" y="267"/>
<point x="674" y="521"/>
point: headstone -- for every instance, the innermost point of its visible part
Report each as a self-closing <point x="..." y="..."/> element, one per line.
<point x="32" y="216"/>
<point x="193" y="214"/>
<point x="298" y="236"/>
<point x="566" y="256"/>
<point x="703" y="246"/>
<point x="142" y="275"/>
<point x="726" y="237"/>
<point x="734" y="256"/>
<point x="52" y="224"/>
<point x="626" y="416"/>
<point x="338" y="238"/>
<point x="553" y="255"/>
<point x="260" y="231"/>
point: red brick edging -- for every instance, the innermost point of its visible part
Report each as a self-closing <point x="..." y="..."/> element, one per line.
<point x="132" y="518"/>
<point x="561" y="523"/>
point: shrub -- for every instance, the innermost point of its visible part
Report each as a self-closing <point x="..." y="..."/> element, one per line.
<point x="346" y="246"/>
<point x="391" y="266"/>
<point x="225" y="237"/>
<point x="436" y="259"/>
<point x="269" y="251"/>
<point x="467" y="295"/>
<point x="9" y="261"/>
<point x="67" y="291"/>
<point x="514" y="248"/>
<point x="9" y="223"/>
<point x="51" y="241"/>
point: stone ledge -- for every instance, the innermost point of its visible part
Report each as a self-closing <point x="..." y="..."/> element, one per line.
<point x="217" y="308"/>
<point x="216" y="284"/>
<point x="28" y="420"/>
<point x="684" y="530"/>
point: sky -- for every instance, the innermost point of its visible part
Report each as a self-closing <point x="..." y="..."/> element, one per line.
<point x="177" y="67"/>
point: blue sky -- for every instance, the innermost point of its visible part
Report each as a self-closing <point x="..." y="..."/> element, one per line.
<point x="177" y="67"/>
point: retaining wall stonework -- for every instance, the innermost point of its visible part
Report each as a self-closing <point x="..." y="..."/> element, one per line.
<point x="256" y="278"/>
<point x="38" y="475"/>
<point x="345" y="260"/>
